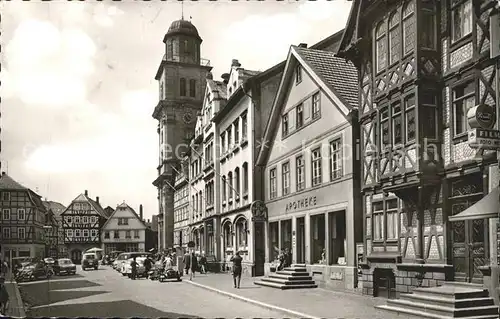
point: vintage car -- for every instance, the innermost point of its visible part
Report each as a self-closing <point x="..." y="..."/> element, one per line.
<point x="90" y="260"/>
<point x="127" y="267"/>
<point x="123" y="257"/>
<point x="64" y="266"/>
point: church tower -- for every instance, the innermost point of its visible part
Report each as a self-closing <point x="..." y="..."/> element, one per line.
<point x="181" y="76"/>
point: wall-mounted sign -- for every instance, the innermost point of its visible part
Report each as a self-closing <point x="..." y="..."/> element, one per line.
<point x="484" y="139"/>
<point x="259" y="211"/>
<point x="481" y="116"/>
<point x="301" y="203"/>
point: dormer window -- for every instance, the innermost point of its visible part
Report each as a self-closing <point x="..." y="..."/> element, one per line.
<point x="298" y="74"/>
<point x="461" y="20"/>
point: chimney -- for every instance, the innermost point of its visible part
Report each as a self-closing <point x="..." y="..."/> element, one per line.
<point x="235" y="63"/>
<point x="86" y="193"/>
<point x="210" y="76"/>
<point x="140" y="211"/>
<point x="303" y="45"/>
<point x="97" y="199"/>
<point x="225" y="77"/>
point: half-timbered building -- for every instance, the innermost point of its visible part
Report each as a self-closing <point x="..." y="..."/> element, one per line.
<point x="22" y="220"/>
<point x="422" y="66"/>
<point x="57" y="209"/>
<point x="51" y="233"/>
<point x="82" y="222"/>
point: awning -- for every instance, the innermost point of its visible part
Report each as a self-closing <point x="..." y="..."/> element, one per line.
<point x="487" y="207"/>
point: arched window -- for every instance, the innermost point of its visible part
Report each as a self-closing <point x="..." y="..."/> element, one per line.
<point x="223" y="188"/>
<point x="380" y="47"/>
<point x="241" y="233"/>
<point x="192" y="88"/>
<point x="228" y="235"/>
<point x="394" y="38"/>
<point x="200" y="201"/>
<point x="408" y="27"/>
<point x="230" y="186"/>
<point x="245" y="178"/>
<point x="237" y="181"/>
<point x="182" y="86"/>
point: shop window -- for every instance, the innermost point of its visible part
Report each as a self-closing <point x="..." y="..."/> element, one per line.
<point x="463" y="99"/>
<point x="318" y="238"/>
<point x="301" y="170"/>
<point x="286" y="234"/>
<point x="273" y="184"/>
<point x="273" y="241"/>
<point x="394" y="38"/>
<point x="461" y="20"/>
<point x="285" y="178"/>
<point x="380" y="47"/>
<point x="338" y="244"/>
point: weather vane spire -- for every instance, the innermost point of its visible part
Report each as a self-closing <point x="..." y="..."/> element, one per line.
<point x="182" y="10"/>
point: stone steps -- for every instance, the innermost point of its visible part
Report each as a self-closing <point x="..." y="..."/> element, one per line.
<point x="293" y="277"/>
<point x="451" y="300"/>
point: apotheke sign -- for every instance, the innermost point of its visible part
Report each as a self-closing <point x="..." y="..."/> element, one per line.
<point x="301" y="203"/>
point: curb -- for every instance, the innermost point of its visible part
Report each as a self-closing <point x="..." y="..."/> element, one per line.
<point x="255" y="302"/>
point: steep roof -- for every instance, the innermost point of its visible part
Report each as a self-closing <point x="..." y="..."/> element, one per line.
<point x="57" y="208"/>
<point x="96" y="206"/>
<point x="350" y="32"/>
<point x="340" y="75"/>
<point x="109" y="210"/>
<point x="219" y="88"/>
<point x="8" y="183"/>
<point x="336" y="77"/>
<point x="123" y="206"/>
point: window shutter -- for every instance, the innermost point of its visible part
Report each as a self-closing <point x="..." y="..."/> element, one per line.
<point x="307" y="109"/>
<point x="291" y="120"/>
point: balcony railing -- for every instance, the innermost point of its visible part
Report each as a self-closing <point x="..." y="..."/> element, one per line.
<point x="177" y="58"/>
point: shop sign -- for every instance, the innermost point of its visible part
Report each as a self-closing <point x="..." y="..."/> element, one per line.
<point x="484" y="139"/>
<point x="82" y="239"/>
<point x="481" y="116"/>
<point x="336" y="276"/>
<point x="301" y="203"/>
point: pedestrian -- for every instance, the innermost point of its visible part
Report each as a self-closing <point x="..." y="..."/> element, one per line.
<point x="4" y="297"/>
<point x="133" y="264"/>
<point x="186" y="260"/>
<point x="148" y="263"/>
<point x="281" y="258"/>
<point x="237" y="269"/>
<point x="203" y="264"/>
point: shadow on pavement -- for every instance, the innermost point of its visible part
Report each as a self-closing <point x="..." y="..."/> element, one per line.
<point x="59" y="285"/>
<point x="123" y="309"/>
<point x="67" y="277"/>
<point x="38" y="295"/>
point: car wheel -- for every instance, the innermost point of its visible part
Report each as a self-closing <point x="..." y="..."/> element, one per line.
<point x="96" y="268"/>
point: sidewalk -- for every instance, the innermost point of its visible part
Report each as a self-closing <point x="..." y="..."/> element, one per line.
<point x="16" y="306"/>
<point x="300" y="303"/>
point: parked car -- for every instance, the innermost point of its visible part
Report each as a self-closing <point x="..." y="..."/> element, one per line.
<point x="123" y="257"/>
<point x="127" y="267"/>
<point x="90" y="261"/>
<point x="34" y="271"/>
<point x="49" y="260"/>
<point x="64" y="266"/>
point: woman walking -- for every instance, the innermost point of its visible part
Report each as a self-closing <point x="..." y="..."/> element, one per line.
<point x="236" y="259"/>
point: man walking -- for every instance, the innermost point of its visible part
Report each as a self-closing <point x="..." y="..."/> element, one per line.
<point x="203" y="264"/>
<point x="133" y="264"/>
<point x="237" y="269"/>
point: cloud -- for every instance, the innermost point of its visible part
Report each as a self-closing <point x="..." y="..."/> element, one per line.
<point x="49" y="67"/>
<point x="104" y="15"/>
<point x="322" y="10"/>
<point x="139" y="103"/>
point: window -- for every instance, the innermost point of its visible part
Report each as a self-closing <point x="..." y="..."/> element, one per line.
<point x="77" y="233"/>
<point x="238" y="181"/>
<point x="223" y="188"/>
<point x="316" y="167"/>
<point x="335" y="159"/>
<point x="463" y="99"/>
<point x="116" y="234"/>
<point x="244" y="127"/>
<point x="230" y="186"/>
<point x="192" y="88"/>
<point x="85" y="219"/>
<point x="236" y="132"/>
<point x="241" y="233"/>
<point x="380" y="47"/>
<point x="284" y="124"/>
<point x="410" y="127"/>
<point x="285" y="178"/>
<point x="394" y="38"/>
<point x="461" y="20"/>
<point x="125" y="221"/>
<point x="299" y="115"/>
<point x="223" y="142"/>
<point x="21" y="214"/>
<point x="77" y="219"/>
<point x="273" y="184"/>
<point x="428" y="34"/>
<point x="408" y="27"/>
<point x="136" y="234"/>
<point x="5" y="196"/>
<point x="429" y="115"/>
<point x="245" y="178"/>
<point x="316" y="106"/>
<point x="85" y="233"/>
<point x="93" y="219"/>
<point x="301" y="170"/>
<point x="182" y="87"/>
<point x="384" y="126"/>
<point x="6" y="214"/>
<point x="106" y="234"/>
<point x="93" y="233"/>
<point x="378" y="220"/>
<point x="21" y="233"/>
<point x="69" y="233"/>
<point x="229" y="139"/>
<point x="128" y="234"/>
<point x="298" y="74"/>
<point x="228" y="235"/>
<point x="397" y="124"/>
<point x="392" y="219"/>
<point x="6" y="233"/>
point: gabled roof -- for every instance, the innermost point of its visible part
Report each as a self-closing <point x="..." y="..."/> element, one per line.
<point x="335" y="76"/>
<point x="350" y="32"/>
<point x="85" y="199"/>
<point x="124" y="206"/>
<point x="219" y="89"/>
<point x="109" y="211"/>
<point x="55" y="207"/>
<point x="8" y="183"/>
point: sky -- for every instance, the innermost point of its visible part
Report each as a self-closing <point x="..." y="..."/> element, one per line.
<point x="78" y="87"/>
